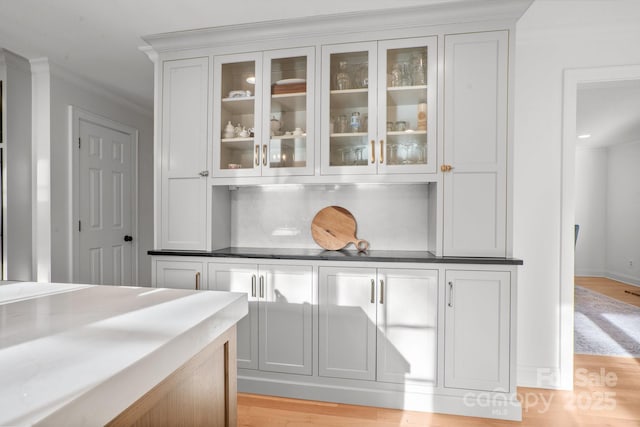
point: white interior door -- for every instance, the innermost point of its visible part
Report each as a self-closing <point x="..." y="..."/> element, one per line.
<point x="105" y="248"/>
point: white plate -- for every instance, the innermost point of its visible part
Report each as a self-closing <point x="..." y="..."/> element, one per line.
<point x="290" y="81"/>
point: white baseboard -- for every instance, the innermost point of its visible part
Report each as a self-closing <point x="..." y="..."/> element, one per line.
<point x="590" y="273"/>
<point x="502" y="406"/>
<point x="543" y="377"/>
<point x="620" y="277"/>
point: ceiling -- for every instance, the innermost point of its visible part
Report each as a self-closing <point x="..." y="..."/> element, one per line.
<point x="609" y="112"/>
<point x="99" y="40"/>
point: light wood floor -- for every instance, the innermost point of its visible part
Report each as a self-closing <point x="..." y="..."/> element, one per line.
<point x="611" y="288"/>
<point x="589" y="404"/>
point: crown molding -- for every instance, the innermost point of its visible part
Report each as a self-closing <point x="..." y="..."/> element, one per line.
<point x="8" y="58"/>
<point x="453" y="12"/>
<point x="40" y="65"/>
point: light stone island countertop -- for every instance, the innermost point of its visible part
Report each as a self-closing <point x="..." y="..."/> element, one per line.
<point x="81" y="354"/>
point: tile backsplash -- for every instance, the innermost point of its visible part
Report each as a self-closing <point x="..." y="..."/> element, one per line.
<point x="389" y="216"/>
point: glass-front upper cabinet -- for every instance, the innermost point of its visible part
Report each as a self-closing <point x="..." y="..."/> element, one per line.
<point x="287" y="146"/>
<point x="263" y="113"/>
<point x="237" y="114"/>
<point x="407" y="105"/>
<point x="379" y="107"/>
<point x="348" y="116"/>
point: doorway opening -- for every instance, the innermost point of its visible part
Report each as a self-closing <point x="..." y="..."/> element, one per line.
<point x="573" y="81"/>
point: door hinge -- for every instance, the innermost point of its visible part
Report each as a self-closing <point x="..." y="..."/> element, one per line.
<point x="79" y="225"/>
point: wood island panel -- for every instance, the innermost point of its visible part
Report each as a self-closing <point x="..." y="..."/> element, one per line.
<point x="202" y="392"/>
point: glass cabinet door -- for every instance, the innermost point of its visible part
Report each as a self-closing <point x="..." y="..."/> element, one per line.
<point x="237" y="115"/>
<point x="407" y="105"/>
<point x="348" y="108"/>
<point x="288" y="112"/>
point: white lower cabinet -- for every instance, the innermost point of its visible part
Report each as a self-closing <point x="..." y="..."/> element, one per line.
<point x="436" y="339"/>
<point x="179" y="274"/>
<point x="378" y="324"/>
<point x="277" y="333"/>
<point x="477" y="330"/>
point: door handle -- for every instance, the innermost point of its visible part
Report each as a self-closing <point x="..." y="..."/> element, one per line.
<point x="128" y="238"/>
<point x="381" y="291"/>
<point x="256" y="155"/>
<point x="381" y="151"/>
<point x="253" y="285"/>
<point x="261" y="286"/>
<point x="450" y="303"/>
<point x="198" y="281"/>
<point x="373" y="291"/>
<point x="264" y="155"/>
<point x="373" y="151"/>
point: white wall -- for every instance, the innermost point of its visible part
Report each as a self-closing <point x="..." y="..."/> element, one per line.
<point x="553" y="35"/>
<point x="591" y="208"/>
<point x="623" y="213"/>
<point x="607" y="209"/>
<point x="68" y="90"/>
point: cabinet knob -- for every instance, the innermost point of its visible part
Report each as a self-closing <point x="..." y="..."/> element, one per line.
<point x="446" y="168"/>
<point x="204" y="173"/>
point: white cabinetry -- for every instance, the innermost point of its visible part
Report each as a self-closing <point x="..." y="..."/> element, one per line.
<point x="268" y="97"/>
<point x="184" y="197"/>
<point x="475" y="144"/>
<point x="378" y="324"/>
<point x="364" y="87"/>
<point x="179" y="274"/>
<point x="276" y="335"/>
<point x="477" y="330"/>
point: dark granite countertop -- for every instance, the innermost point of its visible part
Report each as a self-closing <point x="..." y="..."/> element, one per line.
<point x="342" y="255"/>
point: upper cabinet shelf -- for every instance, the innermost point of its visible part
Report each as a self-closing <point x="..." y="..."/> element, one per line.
<point x="406" y="95"/>
<point x="289" y="102"/>
<point x="244" y="105"/>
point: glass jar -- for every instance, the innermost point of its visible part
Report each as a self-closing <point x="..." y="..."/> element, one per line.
<point x="418" y="74"/>
<point x="401" y="126"/>
<point x="341" y="124"/>
<point x="355" y="122"/>
<point x="343" y="80"/>
<point x="396" y="76"/>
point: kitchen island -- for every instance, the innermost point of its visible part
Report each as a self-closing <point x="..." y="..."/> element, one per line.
<point x="94" y="355"/>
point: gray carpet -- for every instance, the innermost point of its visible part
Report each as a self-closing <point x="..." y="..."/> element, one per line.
<point x="605" y="326"/>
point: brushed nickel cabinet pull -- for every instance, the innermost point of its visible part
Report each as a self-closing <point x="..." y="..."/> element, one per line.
<point x="204" y="173"/>
<point x="256" y="155"/>
<point x="261" y="286"/>
<point x="253" y="285"/>
<point x="198" y="281"/>
<point x="450" y="303"/>
<point x="373" y="151"/>
<point x="264" y="155"/>
<point x="381" y="291"/>
<point x="373" y="291"/>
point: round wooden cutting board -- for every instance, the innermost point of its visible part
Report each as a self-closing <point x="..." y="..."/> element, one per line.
<point x="334" y="227"/>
